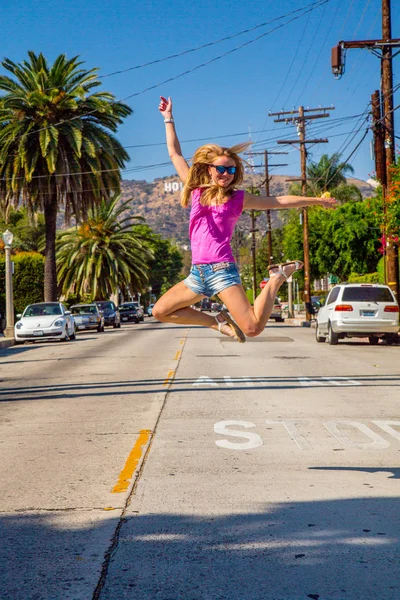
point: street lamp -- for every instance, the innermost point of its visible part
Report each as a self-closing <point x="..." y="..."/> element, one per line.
<point x="9" y="330"/>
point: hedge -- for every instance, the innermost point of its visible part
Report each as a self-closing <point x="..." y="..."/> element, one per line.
<point x="28" y="280"/>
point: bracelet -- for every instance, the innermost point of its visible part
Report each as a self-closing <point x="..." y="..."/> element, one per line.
<point x="168" y="120"/>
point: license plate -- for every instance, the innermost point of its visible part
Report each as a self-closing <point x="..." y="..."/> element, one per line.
<point x="124" y="318"/>
<point x="368" y="313"/>
<point x="81" y="327"/>
<point x="38" y="332"/>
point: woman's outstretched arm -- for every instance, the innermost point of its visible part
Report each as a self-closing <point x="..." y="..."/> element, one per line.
<point x="272" y="202"/>
<point x="173" y="145"/>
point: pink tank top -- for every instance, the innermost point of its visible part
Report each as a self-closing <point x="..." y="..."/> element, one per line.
<point x="211" y="228"/>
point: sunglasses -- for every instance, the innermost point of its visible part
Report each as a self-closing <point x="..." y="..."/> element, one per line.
<point x="221" y="169"/>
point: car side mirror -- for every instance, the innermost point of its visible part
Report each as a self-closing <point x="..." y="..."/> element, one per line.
<point x="68" y="312"/>
<point x="19" y="315"/>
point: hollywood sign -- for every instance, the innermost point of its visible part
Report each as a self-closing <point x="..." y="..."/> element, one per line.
<point x="174" y="186"/>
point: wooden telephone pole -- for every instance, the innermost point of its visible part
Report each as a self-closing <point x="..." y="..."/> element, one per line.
<point x="299" y="118"/>
<point x="267" y="180"/>
<point x="382" y="48"/>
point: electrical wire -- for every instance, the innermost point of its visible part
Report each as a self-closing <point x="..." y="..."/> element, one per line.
<point x="187" y="72"/>
<point x="209" y="44"/>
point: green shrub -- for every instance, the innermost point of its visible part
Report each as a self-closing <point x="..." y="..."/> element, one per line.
<point x="27" y="279"/>
<point x="367" y="278"/>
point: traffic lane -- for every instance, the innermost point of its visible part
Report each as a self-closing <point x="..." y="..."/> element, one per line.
<point x="71" y="452"/>
<point x="66" y="436"/>
<point x="285" y="486"/>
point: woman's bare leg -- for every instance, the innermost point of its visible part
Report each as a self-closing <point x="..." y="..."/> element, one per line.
<point x="253" y="319"/>
<point x="174" y="307"/>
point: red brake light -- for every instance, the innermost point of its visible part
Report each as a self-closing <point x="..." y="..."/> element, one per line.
<point x="392" y="308"/>
<point x="344" y="308"/>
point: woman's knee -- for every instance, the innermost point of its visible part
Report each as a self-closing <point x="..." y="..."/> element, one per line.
<point x="158" y="312"/>
<point x="252" y="329"/>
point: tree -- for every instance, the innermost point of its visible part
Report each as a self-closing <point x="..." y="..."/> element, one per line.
<point x="329" y="174"/>
<point x="28" y="229"/>
<point x="56" y="144"/>
<point x="106" y="253"/>
<point x="342" y="241"/>
<point x="166" y="265"/>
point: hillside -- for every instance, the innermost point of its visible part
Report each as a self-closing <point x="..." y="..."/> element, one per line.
<point x="158" y="202"/>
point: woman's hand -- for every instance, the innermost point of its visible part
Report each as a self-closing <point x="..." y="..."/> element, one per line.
<point x="165" y="107"/>
<point x="327" y="202"/>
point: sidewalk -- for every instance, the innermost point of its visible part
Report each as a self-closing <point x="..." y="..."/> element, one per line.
<point x="6" y="342"/>
<point x="299" y="320"/>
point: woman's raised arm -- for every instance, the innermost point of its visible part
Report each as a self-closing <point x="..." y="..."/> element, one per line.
<point x="173" y="145"/>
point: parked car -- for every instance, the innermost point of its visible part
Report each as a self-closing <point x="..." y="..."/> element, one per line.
<point x="216" y="306"/>
<point x="150" y="310"/>
<point x="139" y="308"/>
<point x="110" y="312"/>
<point x="45" y="321"/>
<point x="88" y="316"/>
<point x="205" y="304"/>
<point x="129" y="312"/>
<point x="358" y="310"/>
<point x="277" y="311"/>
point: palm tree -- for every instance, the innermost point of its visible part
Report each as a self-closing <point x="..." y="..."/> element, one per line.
<point x="103" y="254"/>
<point x="328" y="173"/>
<point x="56" y="144"/>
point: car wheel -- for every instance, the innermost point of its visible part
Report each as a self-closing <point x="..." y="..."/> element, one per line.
<point x="333" y="338"/>
<point x="392" y="339"/>
<point x="320" y="338"/>
<point x="373" y="340"/>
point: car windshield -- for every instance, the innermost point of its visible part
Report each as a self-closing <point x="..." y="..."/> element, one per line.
<point x="105" y="305"/>
<point x="127" y="307"/>
<point x="42" y="310"/>
<point x="83" y="310"/>
<point x="367" y="294"/>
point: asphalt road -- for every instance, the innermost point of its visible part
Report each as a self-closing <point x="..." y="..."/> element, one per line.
<point x="164" y="462"/>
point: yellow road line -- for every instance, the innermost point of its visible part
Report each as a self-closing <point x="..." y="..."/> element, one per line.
<point x="131" y="462"/>
<point x="169" y="378"/>
<point x="177" y="355"/>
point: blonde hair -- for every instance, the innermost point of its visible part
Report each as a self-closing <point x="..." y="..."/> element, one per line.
<point x="198" y="176"/>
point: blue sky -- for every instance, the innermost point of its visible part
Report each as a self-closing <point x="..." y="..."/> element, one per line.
<point x="231" y="95"/>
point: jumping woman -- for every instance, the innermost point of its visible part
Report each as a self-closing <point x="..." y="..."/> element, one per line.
<point x="210" y="184"/>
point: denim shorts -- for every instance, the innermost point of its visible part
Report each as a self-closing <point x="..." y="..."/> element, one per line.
<point x="210" y="279"/>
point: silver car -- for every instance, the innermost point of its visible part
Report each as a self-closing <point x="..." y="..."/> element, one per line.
<point x="359" y="310"/>
<point x="45" y="321"/>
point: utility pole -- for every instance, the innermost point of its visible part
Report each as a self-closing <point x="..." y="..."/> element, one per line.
<point x="267" y="180"/>
<point x="253" y="252"/>
<point x="378" y="130"/>
<point x="299" y="118"/>
<point x="382" y="48"/>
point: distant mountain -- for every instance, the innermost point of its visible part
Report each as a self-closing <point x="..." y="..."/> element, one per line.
<point x="159" y="203"/>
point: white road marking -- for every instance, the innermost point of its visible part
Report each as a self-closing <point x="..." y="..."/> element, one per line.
<point x="204" y="380"/>
<point x="292" y="429"/>
<point x="334" y="428"/>
<point x="254" y="440"/>
<point x="342" y="381"/>
<point x="387" y="426"/>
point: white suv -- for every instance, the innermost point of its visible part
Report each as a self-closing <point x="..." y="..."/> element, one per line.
<point x="359" y="310"/>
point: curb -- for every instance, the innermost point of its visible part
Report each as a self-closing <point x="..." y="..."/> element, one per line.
<point x="6" y="342"/>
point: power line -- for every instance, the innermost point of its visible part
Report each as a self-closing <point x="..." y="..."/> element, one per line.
<point x="188" y="71"/>
<point x="209" y="44"/>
